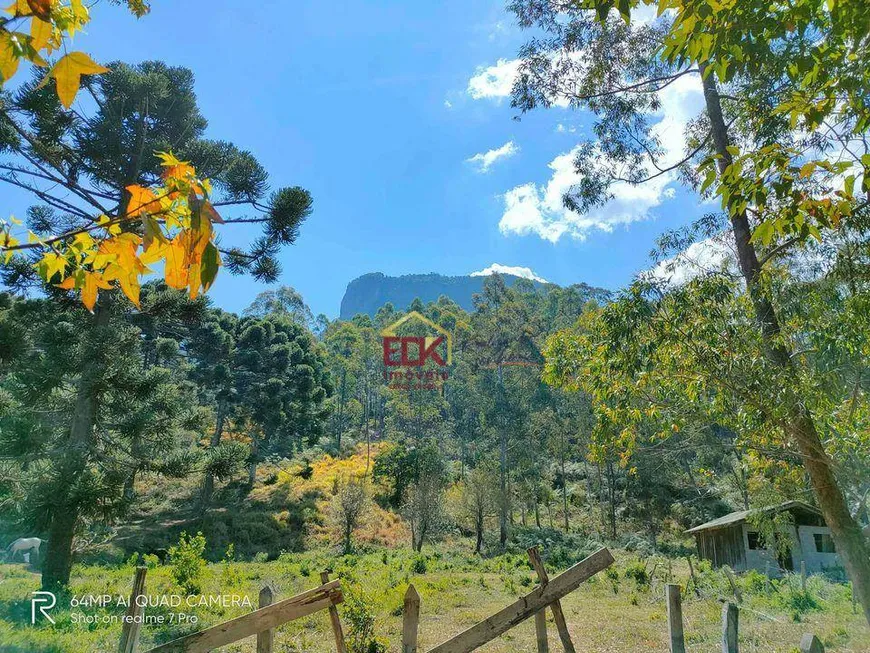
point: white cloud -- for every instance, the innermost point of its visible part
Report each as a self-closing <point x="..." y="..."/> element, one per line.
<point x="712" y="255"/>
<point x="494" y="81"/>
<point x="485" y="160"/>
<point x="448" y="104"/>
<point x="498" y="268"/>
<point x="539" y="209"/>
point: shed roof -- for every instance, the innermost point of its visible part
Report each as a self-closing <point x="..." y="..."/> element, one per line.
<point x="743" y="515"/>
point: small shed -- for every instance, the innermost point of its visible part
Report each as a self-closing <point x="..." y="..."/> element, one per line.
<point x="731" y="540"/>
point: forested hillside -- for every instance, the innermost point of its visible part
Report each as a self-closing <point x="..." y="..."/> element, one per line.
<point x="368" y="293"/>
<point x="211" y="415"/>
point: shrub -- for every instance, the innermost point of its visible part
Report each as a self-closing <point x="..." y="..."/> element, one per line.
<point x="350" y="505"/>
<point x="418" y="565"/>
<point x="637" y="571"/>
<point x="186" y="562"/>
<point x="754" y="582"/>
<point x="798" y="601"/>
<point x="613" y="576"/>
<point x="231" y="574"/>
<point x="361" y="623"/>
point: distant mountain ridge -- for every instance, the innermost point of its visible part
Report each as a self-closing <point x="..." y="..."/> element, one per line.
<point x="366" y="294"/>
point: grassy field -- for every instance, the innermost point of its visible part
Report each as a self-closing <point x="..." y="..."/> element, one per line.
<point x="620" y="610"/>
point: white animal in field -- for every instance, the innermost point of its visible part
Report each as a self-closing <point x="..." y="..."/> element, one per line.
<point x="23" y="545"/>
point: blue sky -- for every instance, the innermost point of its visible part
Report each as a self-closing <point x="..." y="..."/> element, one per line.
<point x="376" y="108"/>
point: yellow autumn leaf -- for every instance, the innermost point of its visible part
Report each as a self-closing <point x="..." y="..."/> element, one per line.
<point x="41" y="35"/>
<point x="54" y="264"/>
<point x="168" y="159"/>
<point x="194" y="282"/>
<point x="142" y="200"/>
<point x="90" y="289"/>
<point x="8" y="59"/>
<point x="68" y="73"/>
<point x="128" y="280"/>
<point x="154" y="252"/>
<point x="19" y="8"/>
<point x="176" y="269"/>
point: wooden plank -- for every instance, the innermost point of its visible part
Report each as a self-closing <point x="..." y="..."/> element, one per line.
<point x="250" y="624"/>
<point x="133" y="616"/>
<point x="266" y="638"/>
<point x="337" y="631"/>
<point x="729" y="628"/>
<point x="555" y="606"/>
<point x="526" y="606"/>
<point x="675" y="619"/>
<point x="410" y="620"/>
<point x="541" y="631"/>
<point x="811" y="644"/>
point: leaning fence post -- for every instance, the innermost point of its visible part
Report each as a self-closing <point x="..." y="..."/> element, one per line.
<point x="265" y="639"/>
<point x="675" y="619"/>
<point x="729" y="628"/>
<point x="133" y="616"/>
<point x="410" y="620"/>
<point x="556" y="606"/>
<point x="733" y="583"/>
<point x="340" y="646"/>
<point x="811" y="644"/>
<point x="692" y="576"/>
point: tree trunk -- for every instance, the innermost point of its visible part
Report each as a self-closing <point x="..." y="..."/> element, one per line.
<point x="611" y="499"/>
<point x="130" y="482"/>
<point x="217" y="434"/>
<point x="502" y="464"/>
<point x="564" y="488"/>
<point x="65" y="512"/>
<point x="537" y="514"/>
<point x="252" y="465"/>
<point x="798" y="423"/>
<point x="478" y="527"/>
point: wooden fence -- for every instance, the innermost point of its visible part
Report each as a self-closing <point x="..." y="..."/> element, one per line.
<point x="262" y="622"/>
<point x="546" y="595"/>
<point x="271" y="614"/>
<point x="730" y="625"/>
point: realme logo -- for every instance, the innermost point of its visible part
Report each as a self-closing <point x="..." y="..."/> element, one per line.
<point x="44" y="601"/>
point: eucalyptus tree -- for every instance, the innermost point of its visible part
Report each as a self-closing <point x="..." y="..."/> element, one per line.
<point x="502" y="342"/>
<point x="781" y="142"/>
